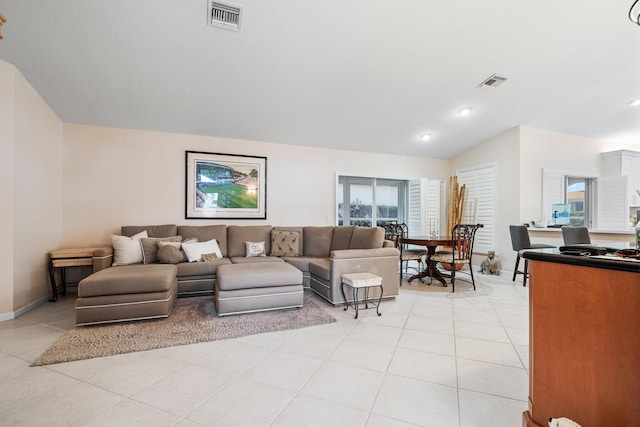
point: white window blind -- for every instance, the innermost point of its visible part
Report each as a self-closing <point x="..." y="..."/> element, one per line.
<point x="479" y="203"/>
<point x="612" y="203"/>
<point x="553" y="184"/>
<point x="424" y="206"/>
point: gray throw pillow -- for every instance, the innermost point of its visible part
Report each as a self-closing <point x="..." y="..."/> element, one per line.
<point x="150" y="247"/>
<point x="170" y="255"/>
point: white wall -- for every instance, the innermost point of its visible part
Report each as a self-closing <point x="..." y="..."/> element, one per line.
<point x="115" y="177"/>
<point x="504" y="152"/>
<point x="520" y="155"/>
<point x="38" y="192"/>
<point x="7" y="114"/>
<point x="32" y="191"/>
<point x="552" y="150"/>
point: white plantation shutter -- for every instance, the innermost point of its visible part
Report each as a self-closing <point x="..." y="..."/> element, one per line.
<point x="417" y="205"/>
<point x="553" y="184"/>
<point x="424" y="206"/>
<point x="479" y="203"/>
<point x="434" y="206"/>
<point x="612" y="203"/>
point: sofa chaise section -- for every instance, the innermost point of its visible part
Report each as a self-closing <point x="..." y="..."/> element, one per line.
<point x="130" y="292"/>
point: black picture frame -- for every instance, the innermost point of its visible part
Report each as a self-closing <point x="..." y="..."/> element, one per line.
<point x="225" y="186"/>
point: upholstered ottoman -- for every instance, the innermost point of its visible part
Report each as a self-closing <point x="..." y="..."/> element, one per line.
<point x="244" y="288"/>
<point x="128" y="292"/>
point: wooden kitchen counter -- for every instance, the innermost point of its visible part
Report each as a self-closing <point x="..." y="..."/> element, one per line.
<point x="584" y="340"/>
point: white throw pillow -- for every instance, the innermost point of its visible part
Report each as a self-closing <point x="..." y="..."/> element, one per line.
<point x="194" y="251"/>
<point x="127" y="250"/>
<point x="255" y="249"/>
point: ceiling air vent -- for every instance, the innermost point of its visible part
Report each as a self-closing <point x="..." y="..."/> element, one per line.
<point x="224" y="15"/>
<point x="492" y="82"/>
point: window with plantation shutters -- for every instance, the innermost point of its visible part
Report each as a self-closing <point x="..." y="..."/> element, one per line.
<point x="425" y="207"/>
<point x="479" y="203"/>
<point x="370" y="201"/>
<point x="553" y="191"/>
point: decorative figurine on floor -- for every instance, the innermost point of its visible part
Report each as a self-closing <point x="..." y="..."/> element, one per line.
<point x="490" y="265"/>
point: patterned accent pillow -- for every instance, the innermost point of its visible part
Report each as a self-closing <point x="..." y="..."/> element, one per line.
<point x="209" y="257"/>
<point x="285" y="243"/>
<point x="255" y="249"/>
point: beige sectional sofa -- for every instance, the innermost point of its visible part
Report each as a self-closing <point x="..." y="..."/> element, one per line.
<point x="322" y="255"/>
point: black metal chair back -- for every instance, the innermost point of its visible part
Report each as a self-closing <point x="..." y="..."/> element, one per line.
<point x="462" y="241"/>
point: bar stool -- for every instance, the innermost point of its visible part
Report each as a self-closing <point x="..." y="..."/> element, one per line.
<point x="520" y="242"/>
<point x="575" y="235"/>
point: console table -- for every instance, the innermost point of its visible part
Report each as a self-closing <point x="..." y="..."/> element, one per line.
<point x="60" y="259"/>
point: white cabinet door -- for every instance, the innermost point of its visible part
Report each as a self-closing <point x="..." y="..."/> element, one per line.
<point x="613" y="213"/>
<point x="631" y="168"/>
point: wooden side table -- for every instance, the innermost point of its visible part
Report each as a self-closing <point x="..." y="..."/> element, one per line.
<point x="60" y="259"/>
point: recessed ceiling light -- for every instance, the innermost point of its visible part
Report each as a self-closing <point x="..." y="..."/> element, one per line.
<point x="425" y="136"/>
<point x="465" y="111"/>
<point x="634" y="103"/>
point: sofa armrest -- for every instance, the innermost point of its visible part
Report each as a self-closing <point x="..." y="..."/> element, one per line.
<point x="102" y="258"/>
<point x="383" y="262"/>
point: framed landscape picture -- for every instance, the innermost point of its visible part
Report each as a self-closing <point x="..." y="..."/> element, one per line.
<point x="225" y="186"/>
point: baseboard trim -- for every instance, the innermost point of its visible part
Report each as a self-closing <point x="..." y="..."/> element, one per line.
<point x="22" y="310"/>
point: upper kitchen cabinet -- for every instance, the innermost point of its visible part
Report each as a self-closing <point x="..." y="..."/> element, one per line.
<point x="624" y="163"/>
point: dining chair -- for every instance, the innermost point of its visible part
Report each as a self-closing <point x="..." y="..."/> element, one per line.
<point x="575" y="235"/>
<point x="520" y="242"/>
<point x="462" y="240"/>
<point x="396" y="233"/>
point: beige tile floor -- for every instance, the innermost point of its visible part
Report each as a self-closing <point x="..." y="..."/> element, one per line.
<point x="432" y="359"/>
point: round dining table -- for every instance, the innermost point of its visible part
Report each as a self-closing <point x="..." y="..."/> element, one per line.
<point x="431" y="243"/>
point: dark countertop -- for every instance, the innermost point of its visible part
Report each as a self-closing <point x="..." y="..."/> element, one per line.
<point x="554" y="255"/>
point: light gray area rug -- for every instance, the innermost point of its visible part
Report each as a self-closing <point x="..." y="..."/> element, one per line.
<point x="193" y="320"/>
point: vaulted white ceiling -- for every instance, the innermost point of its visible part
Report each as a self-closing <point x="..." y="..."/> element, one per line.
<point x="366" y="75"/>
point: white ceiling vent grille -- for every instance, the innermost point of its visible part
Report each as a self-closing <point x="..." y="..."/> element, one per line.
<point x="492" y="82"/>
<point x="224" y="15"/>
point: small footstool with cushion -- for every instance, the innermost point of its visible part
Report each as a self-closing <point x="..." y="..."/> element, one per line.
<point x="245" y="288"/>
<point x="362" y="280"/>
<point x="128" y="292"/>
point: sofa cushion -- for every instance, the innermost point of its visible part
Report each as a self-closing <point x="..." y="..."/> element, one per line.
<point x="195" y="250"/>
<point x="259" y="275"/>
<point x="342" y="237"/>
<point x="150" y="247"/>
<point x="245" y="260"/>
<point x="317" y="241"/>
<point x="285" y="243"/>
<point x="299" y="230"/>
<point x="190" y="269"/>
<point x="301" y="262"/>
<point x="165" y="230"/>
<point x="128" y="279"/>
<point x="237" y="235"/>
<point x="321" y="268"/>
<point x="127" y="250"/>
<point x="367" y="238"/>
<point x="205" y="233"/>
